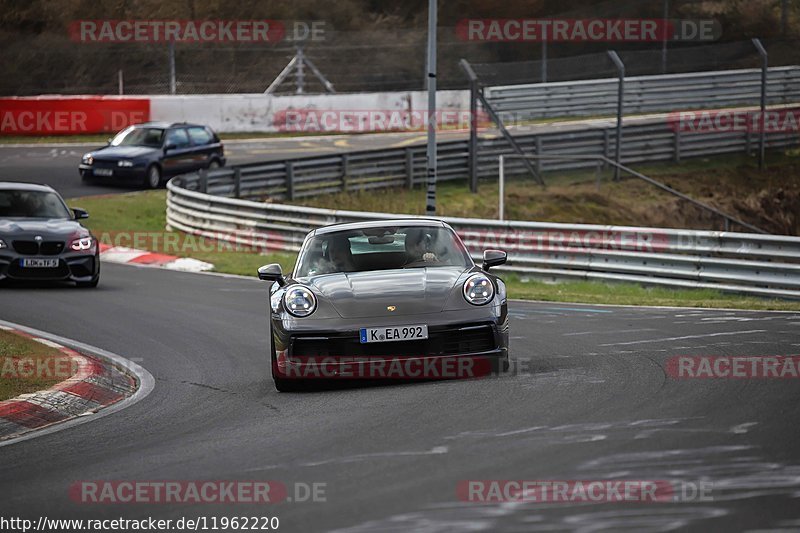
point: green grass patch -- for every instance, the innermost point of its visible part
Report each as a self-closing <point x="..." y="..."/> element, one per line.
<point x="138" y="220"/>
<point x="768" y="199"/>
<point x="592" y="292"/>
<point x="28" y="366"/>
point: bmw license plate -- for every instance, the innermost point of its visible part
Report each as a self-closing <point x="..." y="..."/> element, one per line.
<point x="39" y="263"/>
<point x="103" y="172"/>
<point x="394" y="333"/>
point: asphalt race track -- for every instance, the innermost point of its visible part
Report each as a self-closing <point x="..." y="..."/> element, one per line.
<point x="592" y="402"/>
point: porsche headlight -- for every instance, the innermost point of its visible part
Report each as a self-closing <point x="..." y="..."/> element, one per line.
<point x="478" y="289"/>
<point x="87" y="159"/>
<point x="83" y="243"/>
<point x="299" y="301"/>
<point x="3" y="244"/>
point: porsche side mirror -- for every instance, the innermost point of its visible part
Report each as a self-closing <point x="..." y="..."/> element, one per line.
<point x="79" y="213"/>
<point x="271" y="272"/>
<point x="492" y="258"/>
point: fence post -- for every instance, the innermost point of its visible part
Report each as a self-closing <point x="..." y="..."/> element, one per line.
<point x="345" y="171"/>
<point x="606" y="146"/>
<point x="203" y="182"/>
<point x="409" y="168"/>
<point x="544" y="60"/>
<point x="762" y="142"/>
<point x="237" y="182"/>
<point x="290" y="180"/>
<point x="620" y="103"/>
<point x="172" y="83"/>
<point x="472" y="153"/>
<point x="678" y="145"/>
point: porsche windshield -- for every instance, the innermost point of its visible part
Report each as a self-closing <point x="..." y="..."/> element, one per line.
<point x="151" y="137"/>
<point x="32" y="204"/>
<point x="383" y="248"/>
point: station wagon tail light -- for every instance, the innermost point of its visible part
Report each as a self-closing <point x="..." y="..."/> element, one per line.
<point x="478" y="289"/>
<point x="83" y="243"/>
<point x="299" y="301"/>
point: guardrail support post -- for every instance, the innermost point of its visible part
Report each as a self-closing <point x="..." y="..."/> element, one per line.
<point x="678" y="145"/>
<point x="598" y="169"/>
<point x="539" y="162"/>
<point x="237" y="182"/>
<point x="203" y="180"/>
<point x="762" y="142"/>
<point x="620" y="108"/>
<point x="345" y="171"/>
<point x="606" y="147"/>
<point x="290" y="180"/>
<point x="409" y="168"/>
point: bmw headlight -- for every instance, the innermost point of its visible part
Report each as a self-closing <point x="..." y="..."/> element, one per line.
<point x="125" y="163"/>
<point x="3" y="244"/>
<point x="299" y="301"/>
<point x="478" y="289"/>
<point x="87" y="159"/>
<point x="80" y="244"/>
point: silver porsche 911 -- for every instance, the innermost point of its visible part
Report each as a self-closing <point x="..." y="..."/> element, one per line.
<point x="386" y="299"/>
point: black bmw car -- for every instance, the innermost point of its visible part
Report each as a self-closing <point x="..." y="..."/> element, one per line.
<point x="374" y="300"/>
<point x="41" y="238"/>
<point x="149" y="153"/>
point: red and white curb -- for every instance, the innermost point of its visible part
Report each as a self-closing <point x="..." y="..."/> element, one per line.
<point x="96" y="384"/>
<point x="121" y="254"/>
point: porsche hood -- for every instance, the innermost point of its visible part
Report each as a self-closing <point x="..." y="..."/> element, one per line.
<point x="371" y="294"/>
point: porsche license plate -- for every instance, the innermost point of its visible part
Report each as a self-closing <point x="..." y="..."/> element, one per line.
<point x="39" y="263"/>
<point x="394" y="333"/>
<point x="103" y="172"/>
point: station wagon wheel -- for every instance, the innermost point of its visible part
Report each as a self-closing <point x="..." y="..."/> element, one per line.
<point x="213" y="164"/>
<point x="152" y="178"/>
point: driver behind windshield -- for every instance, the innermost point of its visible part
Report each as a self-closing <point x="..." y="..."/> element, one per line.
<point x="418" y="247"/>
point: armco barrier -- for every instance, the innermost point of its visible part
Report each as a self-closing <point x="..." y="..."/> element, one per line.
<point x="759" y="265"/>
<point x="646" y="94"/>
<point x="645" y="140"/>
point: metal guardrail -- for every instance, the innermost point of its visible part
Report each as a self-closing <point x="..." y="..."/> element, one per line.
<point x="646" y="141"/>
<point x="645" y="94"/>
<point x="759" y="265"/>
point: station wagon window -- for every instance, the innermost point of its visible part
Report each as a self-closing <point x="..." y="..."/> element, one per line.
<point x="200" y="136"/>
<point x="178" y="137"/>
<point x="134" y="136"/>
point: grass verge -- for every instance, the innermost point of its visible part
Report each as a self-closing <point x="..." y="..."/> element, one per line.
<point x="117" y="219"/>
<point x="28" y="366"/>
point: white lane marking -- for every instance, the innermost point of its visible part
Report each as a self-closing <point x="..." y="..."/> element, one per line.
<point x="743" y="428"/>
<point x="187" y="264"/>
<point x="686" y="337"/>
<point x="47" y="342"/>
<point x="607" y="332"/>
